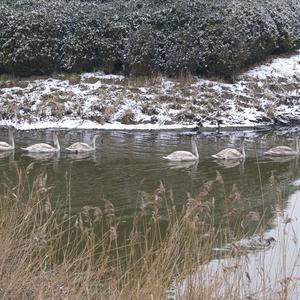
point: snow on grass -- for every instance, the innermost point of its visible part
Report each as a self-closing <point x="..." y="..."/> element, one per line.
<point x="96" y="100"/>
<point x="281" y="67"/>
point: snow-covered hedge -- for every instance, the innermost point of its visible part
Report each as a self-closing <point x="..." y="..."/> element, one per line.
<point x="142" y="37"/>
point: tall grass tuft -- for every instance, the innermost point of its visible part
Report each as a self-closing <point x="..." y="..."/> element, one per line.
<point x="50" y="253"/>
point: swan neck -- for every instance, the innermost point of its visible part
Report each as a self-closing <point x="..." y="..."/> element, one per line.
<point x="243" y="149"/>
<point x="195" y="149"/>
<point x="297" y="145"/>
<point x="56" y="142"/>
<point x="11" y="140"/>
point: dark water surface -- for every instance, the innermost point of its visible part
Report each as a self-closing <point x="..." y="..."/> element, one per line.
<point x="126" y="163"/>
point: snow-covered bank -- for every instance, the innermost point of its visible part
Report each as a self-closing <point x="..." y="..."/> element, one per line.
<point x="265" y="95"/>
<point x="67" y="123"/>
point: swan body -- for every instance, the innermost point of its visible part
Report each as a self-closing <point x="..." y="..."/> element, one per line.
<point x="231" y="153"/>
<point x="44" y="148"/>
<point x="283" y="150"/>
<point x="79" y="147"/>
<point x="184" y="155"/>
<point x="8" y="146"/>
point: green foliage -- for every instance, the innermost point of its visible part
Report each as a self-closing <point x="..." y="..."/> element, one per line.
<point x="144" y="37"/>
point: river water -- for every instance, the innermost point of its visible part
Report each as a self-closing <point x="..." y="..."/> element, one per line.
<point x="126" y="163"/>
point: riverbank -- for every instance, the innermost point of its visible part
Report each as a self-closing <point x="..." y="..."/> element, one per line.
<point x="267" y="95"/>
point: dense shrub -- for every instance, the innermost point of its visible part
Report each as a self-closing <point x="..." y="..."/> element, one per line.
<point x="144" y="37"/>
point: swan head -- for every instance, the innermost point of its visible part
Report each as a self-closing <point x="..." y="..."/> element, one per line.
<point x="95" y="138"/>
<point x="242" y="136"/>
<point x="193" y="139"/>
<point x="242" y="139"/>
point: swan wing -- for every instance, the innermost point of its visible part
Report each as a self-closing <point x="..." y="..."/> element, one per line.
<point x="282" y="148"/>
<point x="42" y="147"/>
<point x="228" y="153"/>
<point x="5" y="146"/>
<point x="181" y="156"/>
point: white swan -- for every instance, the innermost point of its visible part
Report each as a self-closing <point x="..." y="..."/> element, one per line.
<point x="284" y="150"/>
<point x="231" y="153"/>
<point x="184" y="155"/>
<point x="79" y="147"/>
<point x="8" y="146"/>
<point x="44" y="148"/>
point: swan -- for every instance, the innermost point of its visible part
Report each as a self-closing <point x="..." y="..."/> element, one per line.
<point x="44" y="148"/>
<point x="8" y="146"/>
<point x="79" y="147"/>
<point x="184" y="155"/>
<point x="284" y="150"/>
<point x="230" y="153"/>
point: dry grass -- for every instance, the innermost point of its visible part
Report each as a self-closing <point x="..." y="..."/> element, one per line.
<point x="143" y="81"/>
<point x="48" y="253"/>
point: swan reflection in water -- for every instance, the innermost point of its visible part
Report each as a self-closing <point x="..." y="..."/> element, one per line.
<point x="82" y="156"/>
<point x="229" y="163"/>
<point x="9" y="154"/>
<point x="175" y="165"/>
<point x="283" y="159"/>
<point x="43" y="155"/>
<point x="51" y="157"/>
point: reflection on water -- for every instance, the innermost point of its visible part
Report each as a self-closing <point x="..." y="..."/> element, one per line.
<point x="82" y="155"/>
<point x="284" y="159"/>
<point x="9" y="154"/>
<point x="43" y="156"/>
<point x="269" y="270"/>
<point x="129" y="162"/>
<point x="183" y="164"/>
<point x="229" y="163"/>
